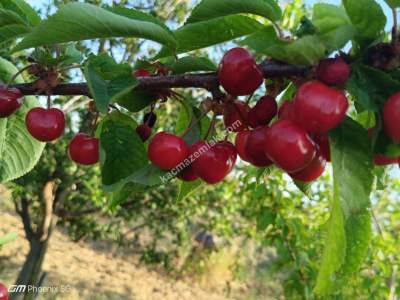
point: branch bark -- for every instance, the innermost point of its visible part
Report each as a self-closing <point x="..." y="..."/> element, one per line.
<point x="208" y="81"/>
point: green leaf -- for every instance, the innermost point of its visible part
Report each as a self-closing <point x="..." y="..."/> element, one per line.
<point x="265" y="217"/>
<point x="349" y="227"/>
<point x="210" y="9"/>
<point x="151" y="176"/>
<point x="187" y="188"/>
<point x="135" y="101"/>
<point x="304" y="187"/>
<point x="393" y="3"/>
<point x="122" y="151"/>
<point x="91" y="22"/>
<point x="108" y="80"/>
<point x="23" y="9"/>
<point x="333" y="25"/>
<point x="8" y="17"/>
<point x="8" y="238"/>
<point x="192" y="36"/>
<point x="187" y="115"/>
<point x="12" y="31"/>
<point x="263" y="39"/>
<point x="367" y="17"/>
<point x="189" y="64"/>
<point x="19" y="151"/>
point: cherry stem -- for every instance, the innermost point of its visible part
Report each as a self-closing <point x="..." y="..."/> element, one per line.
<point x="249" y="98"/>
<point x="211" y="127"/>
<point x="394" y="30"/>
<point x="194" y="123"/>
<point x="17" y="74"/>
<point x="94" y="124"/>
<point x="48" y="101"/>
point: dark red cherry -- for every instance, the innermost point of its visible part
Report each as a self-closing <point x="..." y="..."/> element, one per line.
<point x="150" y="119"/>
<point x="391" y="117"/>
<point x="263" y="112"/>
<point x="144" y="132"/>
<point x="383" y="160"/>
<point x="235" y="116"/>
<point x="10" y="101"/>
<point x="214" y="161"/>
<point x="313" y="171"/>
<point x="167" y="150"/>
<point x="238" y="72"/>
<point x="333" y="71"/>
<point x="240" y="144"/>
<point x="322" y="140"/>
<point x="319" y="108"/>
<point x="255" y="147"/>
<point x="188" y="174"/>
<point x="3" y="292"/>
<point x="289" y="146"/>
<point x="84" y="149"/>
<point x="45" y="124"/>
<point x="141" y="73"/>
<point x="286" y="111"/>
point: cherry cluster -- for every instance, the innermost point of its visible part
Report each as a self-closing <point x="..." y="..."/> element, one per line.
<point x="297" y="141"/>
<point x="48" y="124"/>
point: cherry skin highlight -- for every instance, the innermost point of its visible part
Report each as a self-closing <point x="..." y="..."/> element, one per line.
<point x="319" y="108"/>
<point x="289" y="146"/>
<point x="333" y="71"/>
<point x="84" y="149"/>
<point x="3" y="292"/>
<point x="10" y="101"/>
<point x="313" y="171"/>
<point x="45" y="125"/>
<point x="213" y="162"/>
<point x="238" y="72"/>
<point x="391" y="117"/>
<point x="144" y="132"/>
<point x="263" y="112"/>
<point x="167" y="150"/>
<point x="236" y="115"/>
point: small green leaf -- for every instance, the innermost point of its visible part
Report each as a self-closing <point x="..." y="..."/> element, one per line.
<point x="265" y="217"/>
<point x="91" y="22"/>
<point x="19" y="151"/>
<point x="122" y="151"/>
<point x="189" y="64"/>
<point x="192" y="36"/>
<point x="304" y="187"/>
<point x="187" y="188"/>
<point x="210" y="9"/>
<point x="108" y="80"/>
<point x="367" y="17"/>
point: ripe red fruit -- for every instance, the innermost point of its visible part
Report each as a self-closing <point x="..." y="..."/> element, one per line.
<point x="333" y="71"/>
<point x="144" y="132"/>
<point x="286" y="111"/>
<point x="319" y="108"/>
<point x="10" y="101"/>
<point x="289" y="146"/>
<point x="322" y="140"/>
<point x="84" y="149"/>
<point x="383" y="160"/>
<point x="236" y="115"/>
<point x="188" y="174"/>
<point x="314" y="170"/>
<point x="263" y="112"/>
<point x="167" y="150"/>
<point x="391" y="117"/>
<point x="240" y="144"/>
<point x="3" y="292"/>
<point x="150" y="119"/>
<point x="45" y="125"/>
<point x="255" y="147"/>
<point x="141" y="73"/>
<point x="238" y="72"/>
<point x="213" y="162"/>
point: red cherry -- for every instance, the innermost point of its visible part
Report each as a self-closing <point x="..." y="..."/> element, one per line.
<point x="319" y="108"/>
<point x="141" y="73"/>
<point x="188" y="174"/>
<point x="313" y="171"/>
<point x="255" y="147"/>
<point x="213" y="162"/>
<point x="286" y="111"/>
<point x="239" y="73"/>
<point x="3" y="292"/>
<point x="322" y="140"/>
<point x="263" y="112"/>
<point x="391" y="117"/>
<point x="383" y="160"/>
<point x="167" y="150"/>
<point x="10" y="101"/>
<point x="84" y="149"/>
<point x="240" y="144"/>
<point x="289" y="146"/>
<point x="45" y="124"/>
<point x="144" y="132"/>
<point x="333" y="71"/>
<point x="235" y="116"/>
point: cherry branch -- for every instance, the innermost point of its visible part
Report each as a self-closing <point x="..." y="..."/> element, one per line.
<point x="208" y="81"/>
